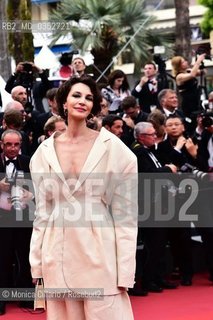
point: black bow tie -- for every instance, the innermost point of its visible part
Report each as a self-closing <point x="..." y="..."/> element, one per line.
<point x="14" y="161"/>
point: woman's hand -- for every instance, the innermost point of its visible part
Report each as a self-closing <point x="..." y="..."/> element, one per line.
<point x="200" y="58"/>
<point x="192" y="73"/>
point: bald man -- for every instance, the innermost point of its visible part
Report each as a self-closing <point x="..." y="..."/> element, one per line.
<point x="19" y="93"/>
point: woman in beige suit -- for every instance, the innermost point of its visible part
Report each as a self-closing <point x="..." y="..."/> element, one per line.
<point x="84" y="238"/>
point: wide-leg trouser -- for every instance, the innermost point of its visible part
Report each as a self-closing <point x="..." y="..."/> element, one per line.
<point x="114" y="307"/>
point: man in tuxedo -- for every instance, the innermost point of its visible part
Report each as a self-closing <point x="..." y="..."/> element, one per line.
<point x="15" y="223"/>
<point x="144" y="148"/>
<point x="154" y="238"/>
<point x="169" y="102"/>
<point x="169" y="105"/>
<point x="147" y="89"/>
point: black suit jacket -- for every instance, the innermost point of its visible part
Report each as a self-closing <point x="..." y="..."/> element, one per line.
<point x="145" y="162"/>
<point x="177" y="112"/>
<point x="203" y="152"/>
<point x="146" y="98"/>
<point x="22" y="163"/>
<point x="148" y="194"/>
<point x="41" y="120"/>
<point x="167" y="154"/>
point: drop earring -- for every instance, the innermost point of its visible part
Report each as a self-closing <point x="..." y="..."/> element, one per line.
<point x="65" y="112"/>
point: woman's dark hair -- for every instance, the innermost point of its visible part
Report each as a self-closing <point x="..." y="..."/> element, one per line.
<point x="116" y="74"/>
<point x="64" y="89"/>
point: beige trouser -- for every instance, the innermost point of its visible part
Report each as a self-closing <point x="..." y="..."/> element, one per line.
<point x="115" y="307"/>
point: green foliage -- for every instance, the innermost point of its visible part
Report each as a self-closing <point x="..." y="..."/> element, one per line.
<point x="206" y="3"/>
<point x="207" y="22"/>
<point x="104" y="28"/>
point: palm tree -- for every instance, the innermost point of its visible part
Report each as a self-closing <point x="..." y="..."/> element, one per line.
<point x="207" y="22"/>
<point x="5" y="67"/>
<point x="105" y="27"/>
<point x="183" y="32"/>
<point x="20" y="44"/>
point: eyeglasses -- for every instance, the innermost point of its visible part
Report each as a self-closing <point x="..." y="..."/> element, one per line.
<point x="149" y="134"/>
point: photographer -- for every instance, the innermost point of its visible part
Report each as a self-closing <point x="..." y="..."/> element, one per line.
<point x="25" y="75"/>
<point x="187" y="85"/>
<point x="15" y="233"/>
<point x="79" y="66"/>
<point x="148" y="88"/>
<point x="205" y="145"/>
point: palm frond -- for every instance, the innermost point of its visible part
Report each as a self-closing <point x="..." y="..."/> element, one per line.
<point x="108" y="26"/>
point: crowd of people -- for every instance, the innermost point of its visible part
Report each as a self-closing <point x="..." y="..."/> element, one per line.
<point x="89" y="153"/>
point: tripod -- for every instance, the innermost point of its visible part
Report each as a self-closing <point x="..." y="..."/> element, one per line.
<point x="202" y="85"/>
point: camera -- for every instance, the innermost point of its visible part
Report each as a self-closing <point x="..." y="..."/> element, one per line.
<point x="28" y="108"/>
<point x="160" y="62"/>
<point x="15" y="190"/>
<point x="188" y="168"/>
<point x="207" y="119"/>
<point x="66" y="58"/>
<point x="204" y="49"/>
<point x="27" y="67"/>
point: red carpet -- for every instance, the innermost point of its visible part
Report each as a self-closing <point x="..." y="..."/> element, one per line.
<point x="184" y="303"/>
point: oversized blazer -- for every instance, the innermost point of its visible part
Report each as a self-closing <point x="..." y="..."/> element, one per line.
<point x="85" y="230"/>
